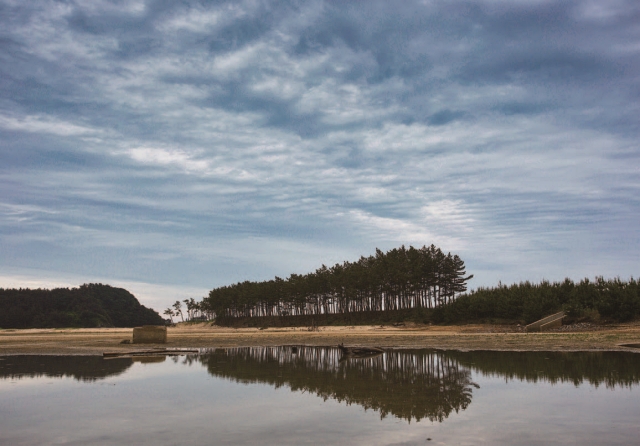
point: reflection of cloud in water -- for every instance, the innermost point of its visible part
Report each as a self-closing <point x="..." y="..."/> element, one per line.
<point x="406" y="384"/>
<point x="81" y="368"/>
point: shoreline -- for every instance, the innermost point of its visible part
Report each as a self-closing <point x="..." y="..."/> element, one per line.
<point x="95" y="341"/>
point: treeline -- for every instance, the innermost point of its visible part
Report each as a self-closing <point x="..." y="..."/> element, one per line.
<point x="336" y="319"/>
<point x="196" y="311"/>
<point x="612" y="299"/>
<point x="90" y="305"/>
<point x="399" y="279"/>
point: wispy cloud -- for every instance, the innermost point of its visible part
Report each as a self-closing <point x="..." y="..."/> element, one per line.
<point x="43" y="124"/>
<point x="194" y="144"/>
<point x="165" y="157"/>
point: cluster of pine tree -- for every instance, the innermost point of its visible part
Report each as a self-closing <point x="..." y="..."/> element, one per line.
<point x="611" y="299"/>
<point x="399" y="279"/>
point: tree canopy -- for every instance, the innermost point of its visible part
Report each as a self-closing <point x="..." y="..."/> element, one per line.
<point x="398" y="279"/>
<point x="612" y="299"/>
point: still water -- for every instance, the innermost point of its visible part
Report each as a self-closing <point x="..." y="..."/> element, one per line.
<point x="311" y="395"/>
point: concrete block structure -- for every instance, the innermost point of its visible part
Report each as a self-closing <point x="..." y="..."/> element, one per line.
<point x="150" y="334"/>
<point x="546" y="323"/>
<point x="555" y="320"/>
<point x="553" y="324"/>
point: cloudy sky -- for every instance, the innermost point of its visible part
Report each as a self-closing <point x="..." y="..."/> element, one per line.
<point x="173" y="147"/>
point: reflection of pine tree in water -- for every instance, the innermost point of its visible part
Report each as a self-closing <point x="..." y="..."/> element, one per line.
<point x="612" y="369"/>
<point x="81" y="368"/>
<point x="407" y="384"/>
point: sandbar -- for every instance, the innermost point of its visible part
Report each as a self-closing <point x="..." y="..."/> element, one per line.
<point x="95" y="341"/>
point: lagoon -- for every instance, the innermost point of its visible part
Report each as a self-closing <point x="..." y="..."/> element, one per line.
<point x="311" y="395"/>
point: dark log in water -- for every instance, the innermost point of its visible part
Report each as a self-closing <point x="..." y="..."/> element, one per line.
<point x="359" y="351"/>
<point x="147" y="353"/>
<point x="634" y="345"/>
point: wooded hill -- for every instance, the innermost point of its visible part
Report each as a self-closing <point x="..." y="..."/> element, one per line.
<point x="399" y="279"/>
<point x="90" y="305"/>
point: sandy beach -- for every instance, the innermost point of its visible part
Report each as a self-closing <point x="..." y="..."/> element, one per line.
<point x="465" y="337"/>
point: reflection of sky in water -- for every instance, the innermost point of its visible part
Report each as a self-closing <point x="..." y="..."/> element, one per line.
<point x="170" y="403"/>
<point x="544" y="413"/>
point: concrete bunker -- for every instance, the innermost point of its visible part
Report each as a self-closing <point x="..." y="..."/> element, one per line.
<point x="150" y="334"/>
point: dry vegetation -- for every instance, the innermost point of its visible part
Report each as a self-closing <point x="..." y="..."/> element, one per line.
<point x="463" y="337"/>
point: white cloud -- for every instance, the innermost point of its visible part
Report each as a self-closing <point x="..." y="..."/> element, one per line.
<point x="98" y="7"/>
<point x="176" y="158"/>
<point x="20" y="213"/>
<point x="197" y="19"/>
<point x="228" y="65"/>
<point x="45" y="124"/>
<point x="449" y="215"/>
<point x="404" y="231"/>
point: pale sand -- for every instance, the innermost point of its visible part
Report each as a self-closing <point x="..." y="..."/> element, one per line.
<point x="465" y="337"/>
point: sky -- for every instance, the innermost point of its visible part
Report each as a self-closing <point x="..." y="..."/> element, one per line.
<point x="174" y="147"/>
